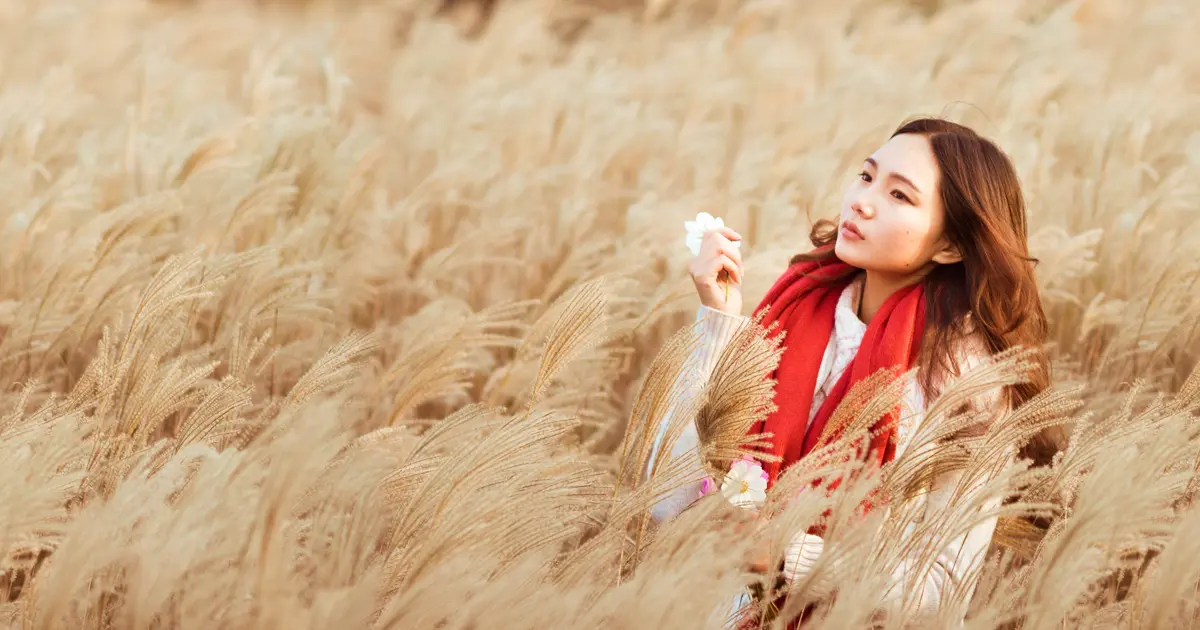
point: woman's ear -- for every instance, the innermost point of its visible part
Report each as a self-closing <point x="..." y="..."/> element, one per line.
<point x="947" y="253"/>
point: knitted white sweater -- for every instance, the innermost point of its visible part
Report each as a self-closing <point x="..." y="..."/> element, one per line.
<point x="958" y="559"/>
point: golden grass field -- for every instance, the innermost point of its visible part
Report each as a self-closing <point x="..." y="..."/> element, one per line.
<point x="332" y="317"/>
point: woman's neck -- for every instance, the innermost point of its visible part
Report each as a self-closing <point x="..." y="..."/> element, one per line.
<point x="877" y="288"/>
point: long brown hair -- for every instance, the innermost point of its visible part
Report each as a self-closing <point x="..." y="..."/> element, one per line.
<point x="994" y="283"/>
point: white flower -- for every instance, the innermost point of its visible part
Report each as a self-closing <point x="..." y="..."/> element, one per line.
<point x="703" y="224"/>
<point x="745" y="484"/>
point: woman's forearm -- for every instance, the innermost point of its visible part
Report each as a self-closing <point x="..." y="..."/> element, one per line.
<point x="716" y="330"/>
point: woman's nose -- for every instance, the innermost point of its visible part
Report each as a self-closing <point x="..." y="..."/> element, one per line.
<point x="864" y="209"/>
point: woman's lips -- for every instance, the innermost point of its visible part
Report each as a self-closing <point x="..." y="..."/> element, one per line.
<point x="850" y="231"/>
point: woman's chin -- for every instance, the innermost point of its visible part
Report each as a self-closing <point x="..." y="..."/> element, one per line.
<point x="850" y="253"/>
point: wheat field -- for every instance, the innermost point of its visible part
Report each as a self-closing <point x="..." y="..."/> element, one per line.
<point x="359" y="316"/>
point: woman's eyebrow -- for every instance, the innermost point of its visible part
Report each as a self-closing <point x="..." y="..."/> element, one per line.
<point x="898" y="176"/>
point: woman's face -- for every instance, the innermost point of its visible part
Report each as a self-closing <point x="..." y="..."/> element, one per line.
<point x="892" y="217"/>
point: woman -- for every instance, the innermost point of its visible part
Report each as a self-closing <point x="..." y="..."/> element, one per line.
<point x="927" y="267"/>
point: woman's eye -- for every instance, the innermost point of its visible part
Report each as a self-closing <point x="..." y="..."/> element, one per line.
<point x="901" y="196"/>
<point x="866" y="177"/>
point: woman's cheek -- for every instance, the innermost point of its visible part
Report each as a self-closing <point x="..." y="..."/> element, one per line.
<point x="899" y="252"/>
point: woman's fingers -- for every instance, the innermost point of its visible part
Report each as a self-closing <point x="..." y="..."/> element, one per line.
<point x="723" y="242"/>
<point x="723" y="236"/>
<point x="732" y="252"/>
<point x="726" y="264"/>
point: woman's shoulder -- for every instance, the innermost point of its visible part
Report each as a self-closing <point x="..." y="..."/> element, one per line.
<point x="970" y="347"/>
<point x="972" y="351"/>
<point x="966" y="351"/>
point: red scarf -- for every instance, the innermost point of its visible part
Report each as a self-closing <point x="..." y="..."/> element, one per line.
<point x="802" y="303"/>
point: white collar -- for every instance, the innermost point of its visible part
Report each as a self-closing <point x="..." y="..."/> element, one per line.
<point x="848" y="328"/>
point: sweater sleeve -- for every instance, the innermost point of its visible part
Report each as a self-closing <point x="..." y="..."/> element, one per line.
<point x="716" y="330"/>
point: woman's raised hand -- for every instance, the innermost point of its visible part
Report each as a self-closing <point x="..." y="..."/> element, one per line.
<point x="717" y="271"/>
